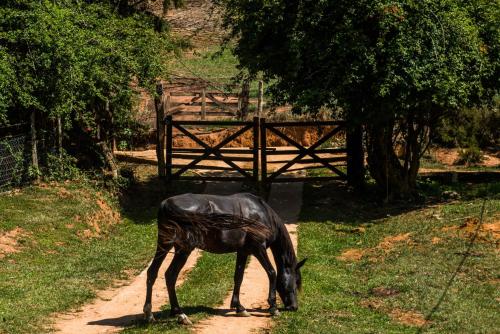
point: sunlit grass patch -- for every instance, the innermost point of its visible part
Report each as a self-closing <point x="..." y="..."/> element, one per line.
<point x="404" y="260"/>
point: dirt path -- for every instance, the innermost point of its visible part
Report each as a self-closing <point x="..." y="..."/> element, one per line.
<point x="121" y="306"/>
<point x="116" y="308"/>
<point x="286" y="199"/>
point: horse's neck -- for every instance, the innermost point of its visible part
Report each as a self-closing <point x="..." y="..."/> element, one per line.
<point x="282" y="249"/>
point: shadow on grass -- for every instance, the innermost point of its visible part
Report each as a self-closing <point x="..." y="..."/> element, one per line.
<point x="335" y="201"/>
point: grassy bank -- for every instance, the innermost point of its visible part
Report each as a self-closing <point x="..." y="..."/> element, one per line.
<point x="66" y="241"/>
<point x="61" y="242"/>
<point x="376" y="269"/>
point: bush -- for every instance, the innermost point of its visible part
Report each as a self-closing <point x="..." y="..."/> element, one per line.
<point x="477" y="127"/>
<point x="469" y="156"/>
<point x="61" y="167"/>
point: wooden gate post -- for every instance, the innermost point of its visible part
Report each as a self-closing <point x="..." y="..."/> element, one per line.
<point x="255" y="149"/>
<point x="260" y="101"/>
<point x="263" y="152"/>
<point x="160" y="129"/>
<point x="169" y="145"/>
<point x="203" y="104"/>
<point x="355" y="156"/>
<point x="245" y="99"/>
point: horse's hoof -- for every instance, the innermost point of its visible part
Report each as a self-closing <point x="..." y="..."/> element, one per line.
<point x="243" y="313"/>
<point x="275" y="312"/>
<point x="184" y="320"/>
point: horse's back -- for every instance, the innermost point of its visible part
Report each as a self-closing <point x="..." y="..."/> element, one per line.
<point x="244" y="205"/>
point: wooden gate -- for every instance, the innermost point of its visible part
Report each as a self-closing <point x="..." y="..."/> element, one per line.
<point x="219" y="152"/>
<point x="327" y="157"/>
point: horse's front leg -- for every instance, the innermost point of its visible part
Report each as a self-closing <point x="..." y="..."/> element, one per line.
<point x="161" y="253"/>
<point x="241" y="261"/>
<point x="171" y="275"/>
<point x="261" y="255"/>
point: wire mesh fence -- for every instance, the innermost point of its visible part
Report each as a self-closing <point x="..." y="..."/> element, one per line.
<point x="13" y="160"/>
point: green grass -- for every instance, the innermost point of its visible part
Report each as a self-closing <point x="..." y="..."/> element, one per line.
<point x="208" y="64"/>
<point x="339" y="296"/>
<point x="58" y="269"/>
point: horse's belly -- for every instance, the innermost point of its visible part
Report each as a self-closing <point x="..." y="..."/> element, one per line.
<point x="224" y="241"/>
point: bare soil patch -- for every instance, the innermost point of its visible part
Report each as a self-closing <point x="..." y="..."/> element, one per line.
<point x="386" y="245"/>
<point x="410" y="318"/>
<point x="384" y="292"/>
<point x="352" y="254"/>
<point x="99" y="221"/>
<point x="449" y="156"/>
<point x="487" y="231"/>
<point x="405" y="317"/>
<point x="10" y="241"/>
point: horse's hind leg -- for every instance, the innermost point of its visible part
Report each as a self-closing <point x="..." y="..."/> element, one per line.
<point x="241" y="261"/>
<point x="161" y="253"/>
<point x="171" y="275"/>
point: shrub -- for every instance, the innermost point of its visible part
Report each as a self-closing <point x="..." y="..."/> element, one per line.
<point x="469" y="156"/>
<point x="469" y="127"/>
<point x="61" y="167"/>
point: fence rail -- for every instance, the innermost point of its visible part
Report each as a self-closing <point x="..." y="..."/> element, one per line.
<point x="217" y="152"/>
<point x="252" y="163"/>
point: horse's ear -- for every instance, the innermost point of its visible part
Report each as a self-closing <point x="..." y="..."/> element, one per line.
<point x="300" y="264"/>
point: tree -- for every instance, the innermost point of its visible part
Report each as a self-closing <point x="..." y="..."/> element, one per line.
<point x="77" y="60"/>
<point x="394" y="67"/>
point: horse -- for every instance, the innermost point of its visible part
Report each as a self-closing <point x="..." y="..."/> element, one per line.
<point x="241" y="223"/>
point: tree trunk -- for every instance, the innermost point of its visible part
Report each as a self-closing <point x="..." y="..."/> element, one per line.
<point x="110" y="158"/>
<point x="391" y="177"/>
<point x="160" y="130"/>
<point x="355" y="157"/>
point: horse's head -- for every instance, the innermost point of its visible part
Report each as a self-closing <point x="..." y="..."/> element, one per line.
<point x="288" y="283"/>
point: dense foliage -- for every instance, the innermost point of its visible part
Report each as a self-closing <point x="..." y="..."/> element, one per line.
<point x="469" y="128"/>
<point x="79" y="61"/>
<point x="395" y="67"/>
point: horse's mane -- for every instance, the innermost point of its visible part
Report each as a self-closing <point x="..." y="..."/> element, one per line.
<point x="202" y="223"/>
<point x="283" y="243"/>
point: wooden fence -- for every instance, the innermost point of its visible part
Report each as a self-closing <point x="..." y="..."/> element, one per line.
<point x="218" y="152"/>
<point x="255" y="161"/>
<point x="315" y="154"/>
<point x="196" y="99"/>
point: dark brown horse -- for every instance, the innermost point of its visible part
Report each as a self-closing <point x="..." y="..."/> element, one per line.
<point x="241" y="223"/>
